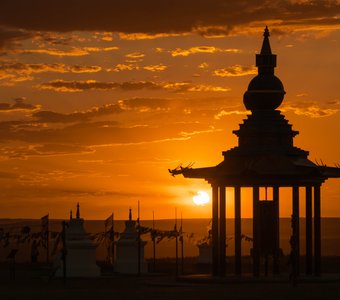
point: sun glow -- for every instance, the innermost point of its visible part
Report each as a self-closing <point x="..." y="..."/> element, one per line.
<point x="201" y="198"/>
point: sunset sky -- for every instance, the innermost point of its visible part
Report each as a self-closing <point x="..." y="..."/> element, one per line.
<point x="100" y="98"/>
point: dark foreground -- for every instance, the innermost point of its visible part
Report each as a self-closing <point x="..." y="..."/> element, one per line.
<point x="36" y="284"/>
<point x="163" y="288"/>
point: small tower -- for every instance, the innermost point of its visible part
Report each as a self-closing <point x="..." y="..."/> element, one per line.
<point x="81" y="251"/>
<point x="78" y="211"/>
<point x="127" y="250"/>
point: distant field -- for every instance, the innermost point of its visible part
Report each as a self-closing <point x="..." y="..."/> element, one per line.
<point x="195" y="227"/>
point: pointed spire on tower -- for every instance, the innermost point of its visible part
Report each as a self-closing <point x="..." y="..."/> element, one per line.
<point x="266" y="60"/>
<point x="71" y="217"/>
<point x="265" y="91"/>
<point x="78" y="211"/>
<point x="130" y="215"/>
<point x="266" y="50"/>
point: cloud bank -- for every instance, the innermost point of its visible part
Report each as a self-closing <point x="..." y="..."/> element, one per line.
<point x="80" y="86"/>
<point x="209" y="17"/>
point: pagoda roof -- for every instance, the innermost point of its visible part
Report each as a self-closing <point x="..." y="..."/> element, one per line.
<point x="262" y="170"/>
<point x="265" y="155"/>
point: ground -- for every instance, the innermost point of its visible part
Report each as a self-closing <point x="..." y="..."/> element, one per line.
<point x="34" y="283"/>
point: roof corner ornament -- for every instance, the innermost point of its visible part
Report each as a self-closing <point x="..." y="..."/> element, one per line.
<point x="180" y="169"/>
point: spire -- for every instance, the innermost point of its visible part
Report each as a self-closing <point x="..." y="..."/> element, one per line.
<point x="130" y="215"/>
<point x="266" y="50"/>
<point x="71" y="215"/>
<point x="266" y="61"/>
<point x="265" y="91"/>
<point x="78" y="211"/>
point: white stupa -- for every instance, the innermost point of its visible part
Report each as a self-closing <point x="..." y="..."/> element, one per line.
<point x="81" y="251"/>
<point x="127" y="250"/>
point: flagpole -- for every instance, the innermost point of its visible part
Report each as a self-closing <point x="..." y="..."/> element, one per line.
<point x="138" y="224"/>
<point x="154" y="241"/>
<point x="176" y="242"/>
<point x="48" y="241"/>
<point x="113" y="243"/>
<point x="45" y="234"/>
<point x="182" y="246"/>
<point x="64" y="250"/>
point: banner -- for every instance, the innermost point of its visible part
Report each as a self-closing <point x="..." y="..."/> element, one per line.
<point x="44" y="223"/>
<point x="108" y="221"/>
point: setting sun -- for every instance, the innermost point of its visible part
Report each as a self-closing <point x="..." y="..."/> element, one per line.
<point x="201" y="198"/>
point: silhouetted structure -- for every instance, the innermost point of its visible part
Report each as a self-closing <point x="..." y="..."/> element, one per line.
<point x="264" y="158"/>
<point x="130" y="250"/>
<point x="79" y="251"/>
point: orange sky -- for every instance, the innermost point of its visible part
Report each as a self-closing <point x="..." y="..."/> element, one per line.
<point x="100" y="98"/>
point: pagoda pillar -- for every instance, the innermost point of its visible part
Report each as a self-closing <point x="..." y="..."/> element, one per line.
<point x="309" y="231"/>
<point x="276" y="264"/>
<point x="256" y="231"/>
<point x="296" y="229"/>
<point x="237" y="226"/>
<point x="222" y="229"/>
<point x="317" y="230"/>
<point x="214" y="230"/>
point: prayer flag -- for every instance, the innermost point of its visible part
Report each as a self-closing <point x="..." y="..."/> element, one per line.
<point x="107" y="221"/>
<point x="44" y="223"/>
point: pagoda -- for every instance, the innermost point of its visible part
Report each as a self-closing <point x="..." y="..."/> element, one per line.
<point x="265" y="158"/>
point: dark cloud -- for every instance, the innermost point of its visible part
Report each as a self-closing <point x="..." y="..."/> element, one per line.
<point x="154" y="16"/>
<point x="10" y="37"/>
<point x="14" y="72"/>
<point x="18" y="105"/>
<point x="79" y="86"/>
<point x="176" y="105"/>
<point x="71" y="52"/>
<point x="154" y="108"/>
<point x="82" y="137"/>
<point x="54" y="39"/>
<point x="81" y="132"/>
<point x="54" y="117"/>
<point x="21" y="68"/>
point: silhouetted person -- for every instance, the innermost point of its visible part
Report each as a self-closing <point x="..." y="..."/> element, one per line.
<point x="34" y="251"/>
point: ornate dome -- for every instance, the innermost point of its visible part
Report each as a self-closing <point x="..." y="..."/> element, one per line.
<point x="265" y="91"/>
